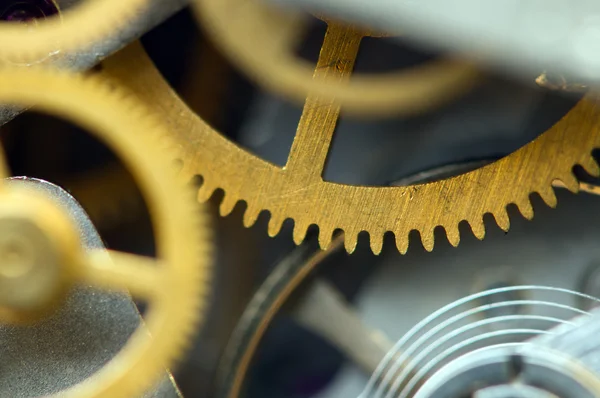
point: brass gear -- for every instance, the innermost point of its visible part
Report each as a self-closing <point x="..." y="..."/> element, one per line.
<point x="74" y="29"/>
<point x="297" y="190"/>
<point x="174" y="284"/>
<point x="261" y="42"/>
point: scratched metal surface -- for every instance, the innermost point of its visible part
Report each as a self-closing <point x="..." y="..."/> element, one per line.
<point x="82" y="337"/>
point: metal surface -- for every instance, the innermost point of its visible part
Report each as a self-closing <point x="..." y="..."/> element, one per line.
<point x="559" y="362"/>
<point x="88" y="331"/>
<point x="439" y="346"/>
<point x="555" y="249"/>
<point x="155" y="12"/>
<point x="523" y="36"/>
<point x="298" y="191"/>
<point x="393" y="300"/>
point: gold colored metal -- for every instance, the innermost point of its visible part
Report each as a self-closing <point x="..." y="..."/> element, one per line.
<point x="298" y="191"/>
<point x="68" y="31"/>
<point x="39" y="255"/>
<point x="261" y="41"/>
<point x="33" y="231"/>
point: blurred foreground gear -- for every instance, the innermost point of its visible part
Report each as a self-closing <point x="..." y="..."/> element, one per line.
<point x="86" y="331"/>
<point x="261" y="40"/>
<point x="298" y="191"/>
<point x="31" y="39"/>
<point x="42" y="257"/>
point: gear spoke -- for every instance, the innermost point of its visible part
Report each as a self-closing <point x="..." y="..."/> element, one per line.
<point x="118" y="271"/>
<point x="320" y="115"/>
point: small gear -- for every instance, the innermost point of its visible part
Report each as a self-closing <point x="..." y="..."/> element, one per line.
<point x="74" y="29"/>
<point x="298" y="191"/>
<point x="261" y="41"/>
<point x="174" y="285"/>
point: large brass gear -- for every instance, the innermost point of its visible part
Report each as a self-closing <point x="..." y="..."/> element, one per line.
<point x="261" y="40"/>
<point x="83" y="25"/>
<point x="298" y="191"/>
<point x="174" y="285"/>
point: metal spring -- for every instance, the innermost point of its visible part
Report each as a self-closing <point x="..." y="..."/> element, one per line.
<point x="425" y="349"/>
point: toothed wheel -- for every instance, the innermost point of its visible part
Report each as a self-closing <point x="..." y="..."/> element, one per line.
<point x="298" y="191"/>
<point x="39" y="36"/>
<point x="39" y="247"/>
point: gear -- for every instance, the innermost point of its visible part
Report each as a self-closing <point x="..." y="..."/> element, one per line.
<point x="72" y="30"/>
<point x="261" y="41"/>
<point x="286" y="279"/>
<point x="297" y="191"/>
<point x="174" y="285"/>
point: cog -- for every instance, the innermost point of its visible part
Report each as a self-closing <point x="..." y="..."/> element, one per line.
<point x="261" y="41"/>
<point x="174" y="285"/>
<point x="65" y="32"/>
<point x="298" y="191"/>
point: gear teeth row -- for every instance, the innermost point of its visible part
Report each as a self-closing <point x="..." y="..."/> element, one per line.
<point x="376" y="237"/>
<point x="531" y="169"/>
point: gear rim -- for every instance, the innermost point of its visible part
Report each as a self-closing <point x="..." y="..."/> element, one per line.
<point x="67" y="31"/>
<point x="181" y="232"/>
<point x="377" y="210"/>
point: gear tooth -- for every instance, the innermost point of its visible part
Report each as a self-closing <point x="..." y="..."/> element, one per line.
<point x="250" y="216"/>
<point x="350" y="241"/>
<point x="478" y="228"/>
<point x="453" y="235"/>
<point x="325" y="237"/>
<point x="525" y="208"/>
<point x="570" y="182"/>
<point x="428" y="240"/>
<point x="590" y="165"/>
<point x="227" y="205"/>
<point x="376" y="240"/>
<point x="204" y="193"/>
<point x="402" y="243"/>
<point x="299" y="232"/>
<point x="502" y="219"/>
<point x="275" y="223"/>
<point x="549" y="196"/>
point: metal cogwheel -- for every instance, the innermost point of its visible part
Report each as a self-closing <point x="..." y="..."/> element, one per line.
<point x="298" y="191"/>
<point x="76" y="28"/>
<point x="174" y="284"/>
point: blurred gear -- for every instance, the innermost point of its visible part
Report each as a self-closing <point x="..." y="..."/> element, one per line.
<point x="32" y="38"/>
<point x="173" y="285"/>
<point x="298" y="191"/>
<point x="261" y="40"/>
